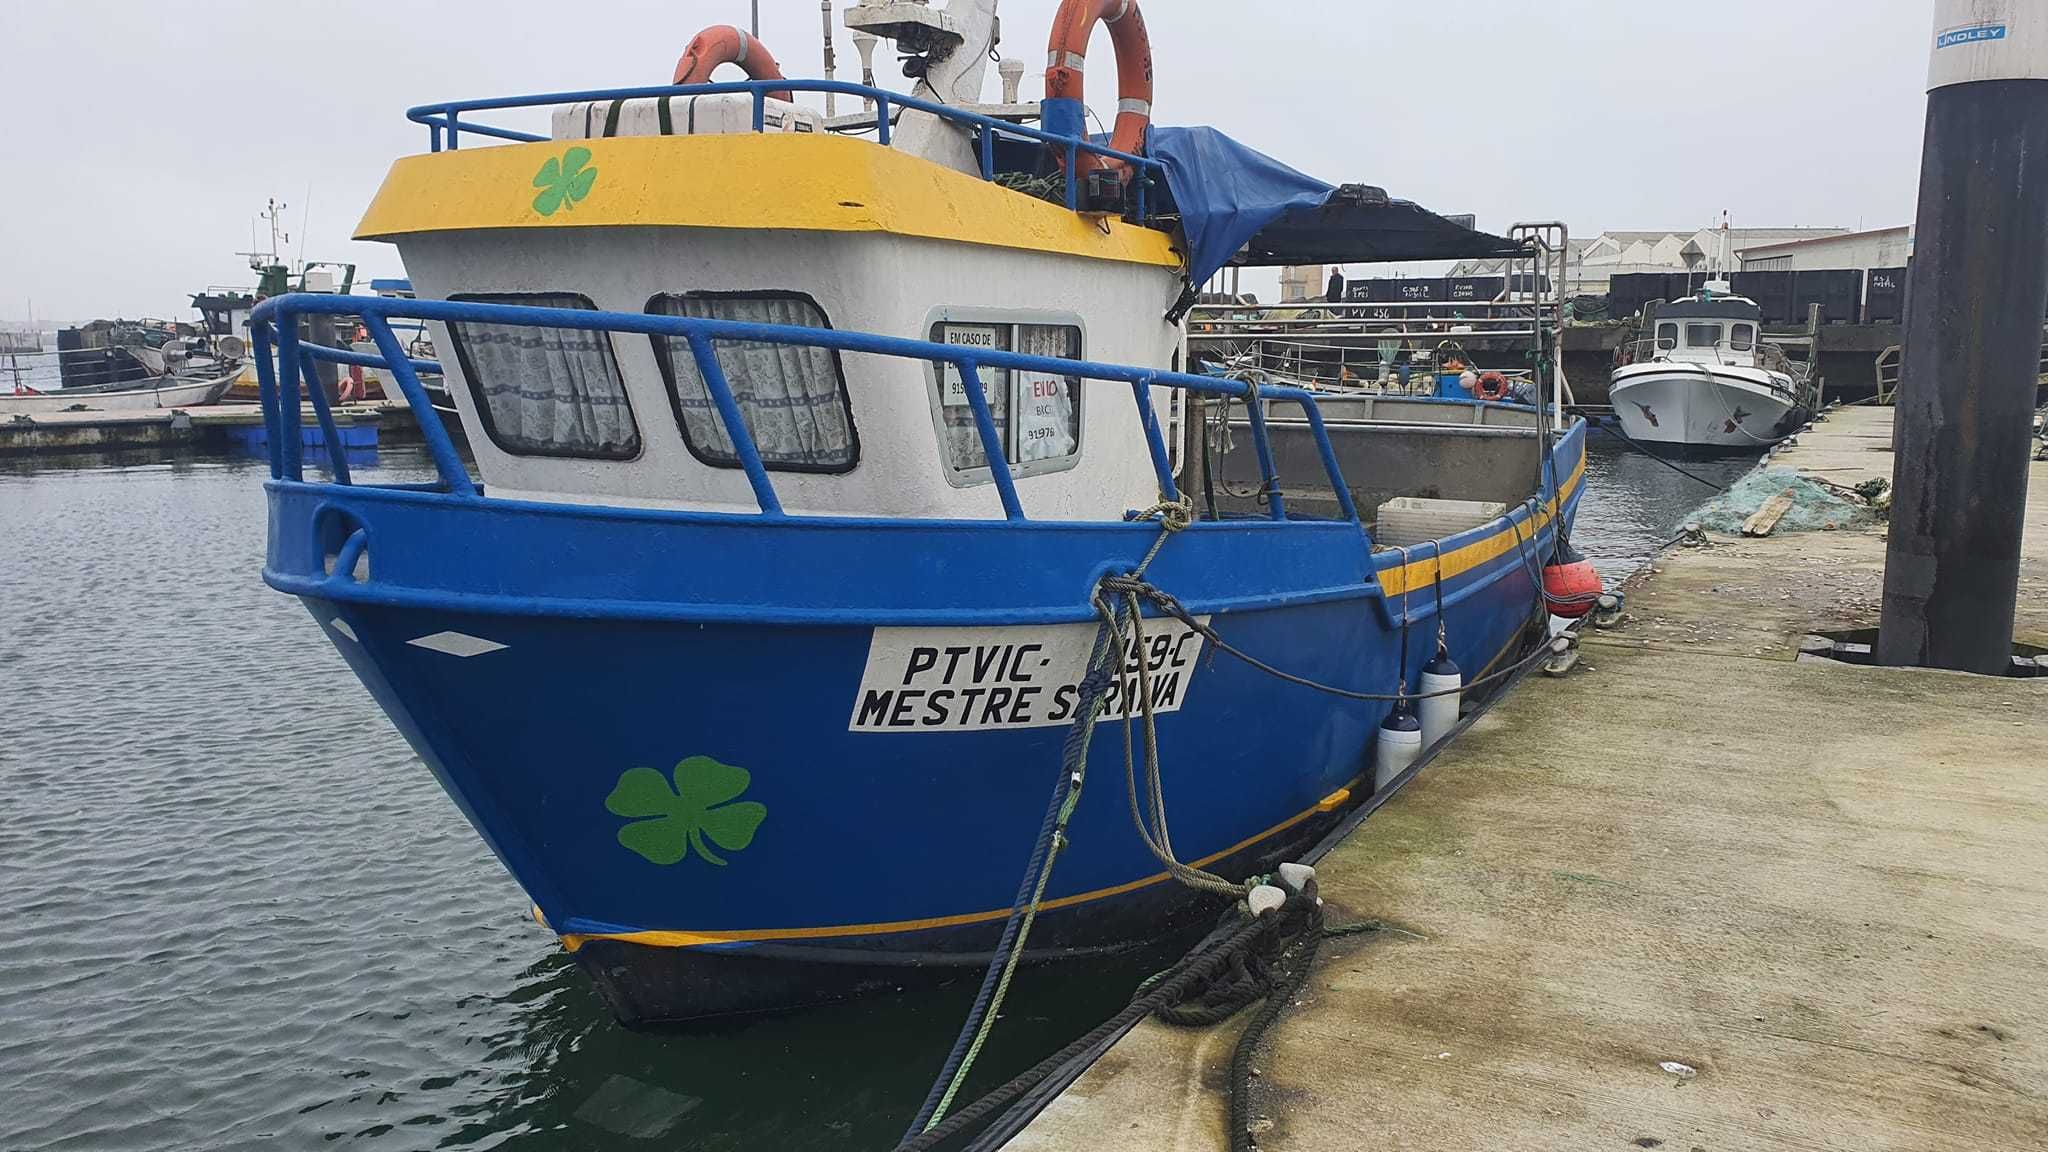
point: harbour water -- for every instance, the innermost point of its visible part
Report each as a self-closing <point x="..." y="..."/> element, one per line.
<point x="242" y="915"/>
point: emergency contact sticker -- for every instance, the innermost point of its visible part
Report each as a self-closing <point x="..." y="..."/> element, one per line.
<point x="978" y="336"/>
<point x="973" y="679"/>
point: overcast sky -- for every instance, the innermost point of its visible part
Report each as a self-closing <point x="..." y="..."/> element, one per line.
<point x="144" y="139"/>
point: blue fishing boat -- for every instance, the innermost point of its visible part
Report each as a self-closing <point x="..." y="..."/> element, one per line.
<point x="821" y="468"/>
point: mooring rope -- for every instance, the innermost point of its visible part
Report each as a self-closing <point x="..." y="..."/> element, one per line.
<point x="1105" y="662"/>
<point x="1239" y="931"/>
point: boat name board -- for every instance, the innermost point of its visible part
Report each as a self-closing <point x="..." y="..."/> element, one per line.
<point x="975" y="679"/>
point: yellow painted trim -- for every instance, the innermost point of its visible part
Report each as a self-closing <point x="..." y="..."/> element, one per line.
<point x="1454" y="562"/>
<point x="796" y="181"/>
<point x="1421" y="572"/>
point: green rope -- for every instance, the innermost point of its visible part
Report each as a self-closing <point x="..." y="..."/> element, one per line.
<point x="1173" y="516"/>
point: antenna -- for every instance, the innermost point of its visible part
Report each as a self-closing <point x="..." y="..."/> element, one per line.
<point x="864" y="43"/>
<point x="825" y="15"/>
<point x="305" y="223"/>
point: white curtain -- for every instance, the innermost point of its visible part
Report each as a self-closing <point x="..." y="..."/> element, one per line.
<point x="548" y="391"/>
<point x="791" y="397"/>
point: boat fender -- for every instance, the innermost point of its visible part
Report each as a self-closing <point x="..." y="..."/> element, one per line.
<point x="1399" y="745"/>
<point x="1571" y="586"/>
<point x="1265" y="898"/>
<point x="1296" y="876"/>
<point x="725" y="44"/>
<point x="1063" y="111"/>
<point x="1439" y="714"/>
<point x="1492" y="386"/>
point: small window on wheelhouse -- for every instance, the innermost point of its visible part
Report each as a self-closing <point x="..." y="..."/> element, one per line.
<point x="791" y="396"/>
<point x="1667" y="337"/>
<point x="1702" y="335"/>
<point x="1037" y="414"/>
<point x="546" y="391"/>
<point x="1742" y="337"/>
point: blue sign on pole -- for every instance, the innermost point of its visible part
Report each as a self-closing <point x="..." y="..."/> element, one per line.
<point x="1971" y="35"/>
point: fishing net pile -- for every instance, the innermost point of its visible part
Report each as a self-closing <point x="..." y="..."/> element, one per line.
<point x="1816" y="505"/>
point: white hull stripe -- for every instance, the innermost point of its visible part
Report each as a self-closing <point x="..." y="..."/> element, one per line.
<point x="1141" y="107"/>
<point x="456" y="644"/>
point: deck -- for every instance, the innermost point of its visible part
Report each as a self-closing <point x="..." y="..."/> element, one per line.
<point x="1821" y="888"/>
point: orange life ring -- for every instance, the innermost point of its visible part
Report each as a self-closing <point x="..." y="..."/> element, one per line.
<point x="1066" y="58"/>
<point x="725" y="44"/>
<point x="1491" y="386"/>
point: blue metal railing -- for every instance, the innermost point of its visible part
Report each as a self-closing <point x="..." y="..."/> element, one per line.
<point x="283" y="364"/>
<point x="445" y="125"/>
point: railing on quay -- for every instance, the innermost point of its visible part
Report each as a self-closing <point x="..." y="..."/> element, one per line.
<point x="445" y="126"/>
<point x="284" y="364"/>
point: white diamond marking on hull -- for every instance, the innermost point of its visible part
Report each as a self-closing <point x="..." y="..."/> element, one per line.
<point x="342" y="627"/>
<point x="456" y="644"/>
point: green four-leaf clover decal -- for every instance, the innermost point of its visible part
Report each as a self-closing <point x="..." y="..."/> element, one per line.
<point x="668" y="823"/>
<point x="562" y="182"/>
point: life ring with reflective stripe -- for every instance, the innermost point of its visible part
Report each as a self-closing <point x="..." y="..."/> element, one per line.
<point x="1491" y="386"/>
<point x="725" y="44"/>
<point x="1066" y="59"/>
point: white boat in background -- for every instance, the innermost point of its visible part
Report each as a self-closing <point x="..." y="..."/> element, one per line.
<point x="169" y="391"/>
<point x="1701" y="378"/>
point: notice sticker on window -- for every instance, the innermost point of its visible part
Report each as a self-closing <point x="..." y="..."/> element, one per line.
<point x="1045" y="417"/>
<point x="972" y="679"/>
<point x="979" y="336"/>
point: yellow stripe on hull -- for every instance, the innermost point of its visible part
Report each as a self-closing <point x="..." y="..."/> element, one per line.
<point x="1421" y="572"/>
<point x="796" y="181"/>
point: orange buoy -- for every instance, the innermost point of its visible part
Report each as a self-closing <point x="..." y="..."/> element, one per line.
<point x="1571" y="586"/>
<point x="1066" y="58"/>
<point x="725" y="44"/>
<point x="1492" y="386"/>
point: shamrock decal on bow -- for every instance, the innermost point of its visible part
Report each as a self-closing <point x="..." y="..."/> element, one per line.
<point x="562" y="182"/>
<point x="669" y="822"/>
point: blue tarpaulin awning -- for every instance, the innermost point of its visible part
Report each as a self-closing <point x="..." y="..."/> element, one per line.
<point x="1238" y="205"/>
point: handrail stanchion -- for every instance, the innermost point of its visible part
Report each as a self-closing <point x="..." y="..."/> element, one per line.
<point x="454" y="129"/>
<point x="882" y="121"/>
<point x="736" y="429"/>
<point x="761" y="109"/>
<point x="988" y="153"/>
<point x="434" y="137"/>
<point x="266" y="394"/>
<point x="1143" y="175"/>
<point x="1073" y="189"/>
<point x="1269" y="477"/>
<point x="289" y="418"/>
<point x="1141" y="390"/>
<point x="337" y="456"/>
<point x="1328" y="452"/>
<point x="446" y="462"/>
<point x="991" y="441"/>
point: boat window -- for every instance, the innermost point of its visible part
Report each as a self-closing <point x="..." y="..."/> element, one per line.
<point x="1702" y="335"/>
<point x="1038" y="414"/>
<point x="792" y="397"/>
<point x="1742" y="337"/>
<point x="1667" y="336"/>
<point x="546" y="391"/>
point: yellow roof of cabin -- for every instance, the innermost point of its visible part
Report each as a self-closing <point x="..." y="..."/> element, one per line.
<point x="800" y="181"/>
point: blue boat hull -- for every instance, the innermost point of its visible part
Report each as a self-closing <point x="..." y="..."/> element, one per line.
<point x="585" y="682"/>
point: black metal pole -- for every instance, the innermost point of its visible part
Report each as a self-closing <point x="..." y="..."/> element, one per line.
<point x="1974" y="306"/>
